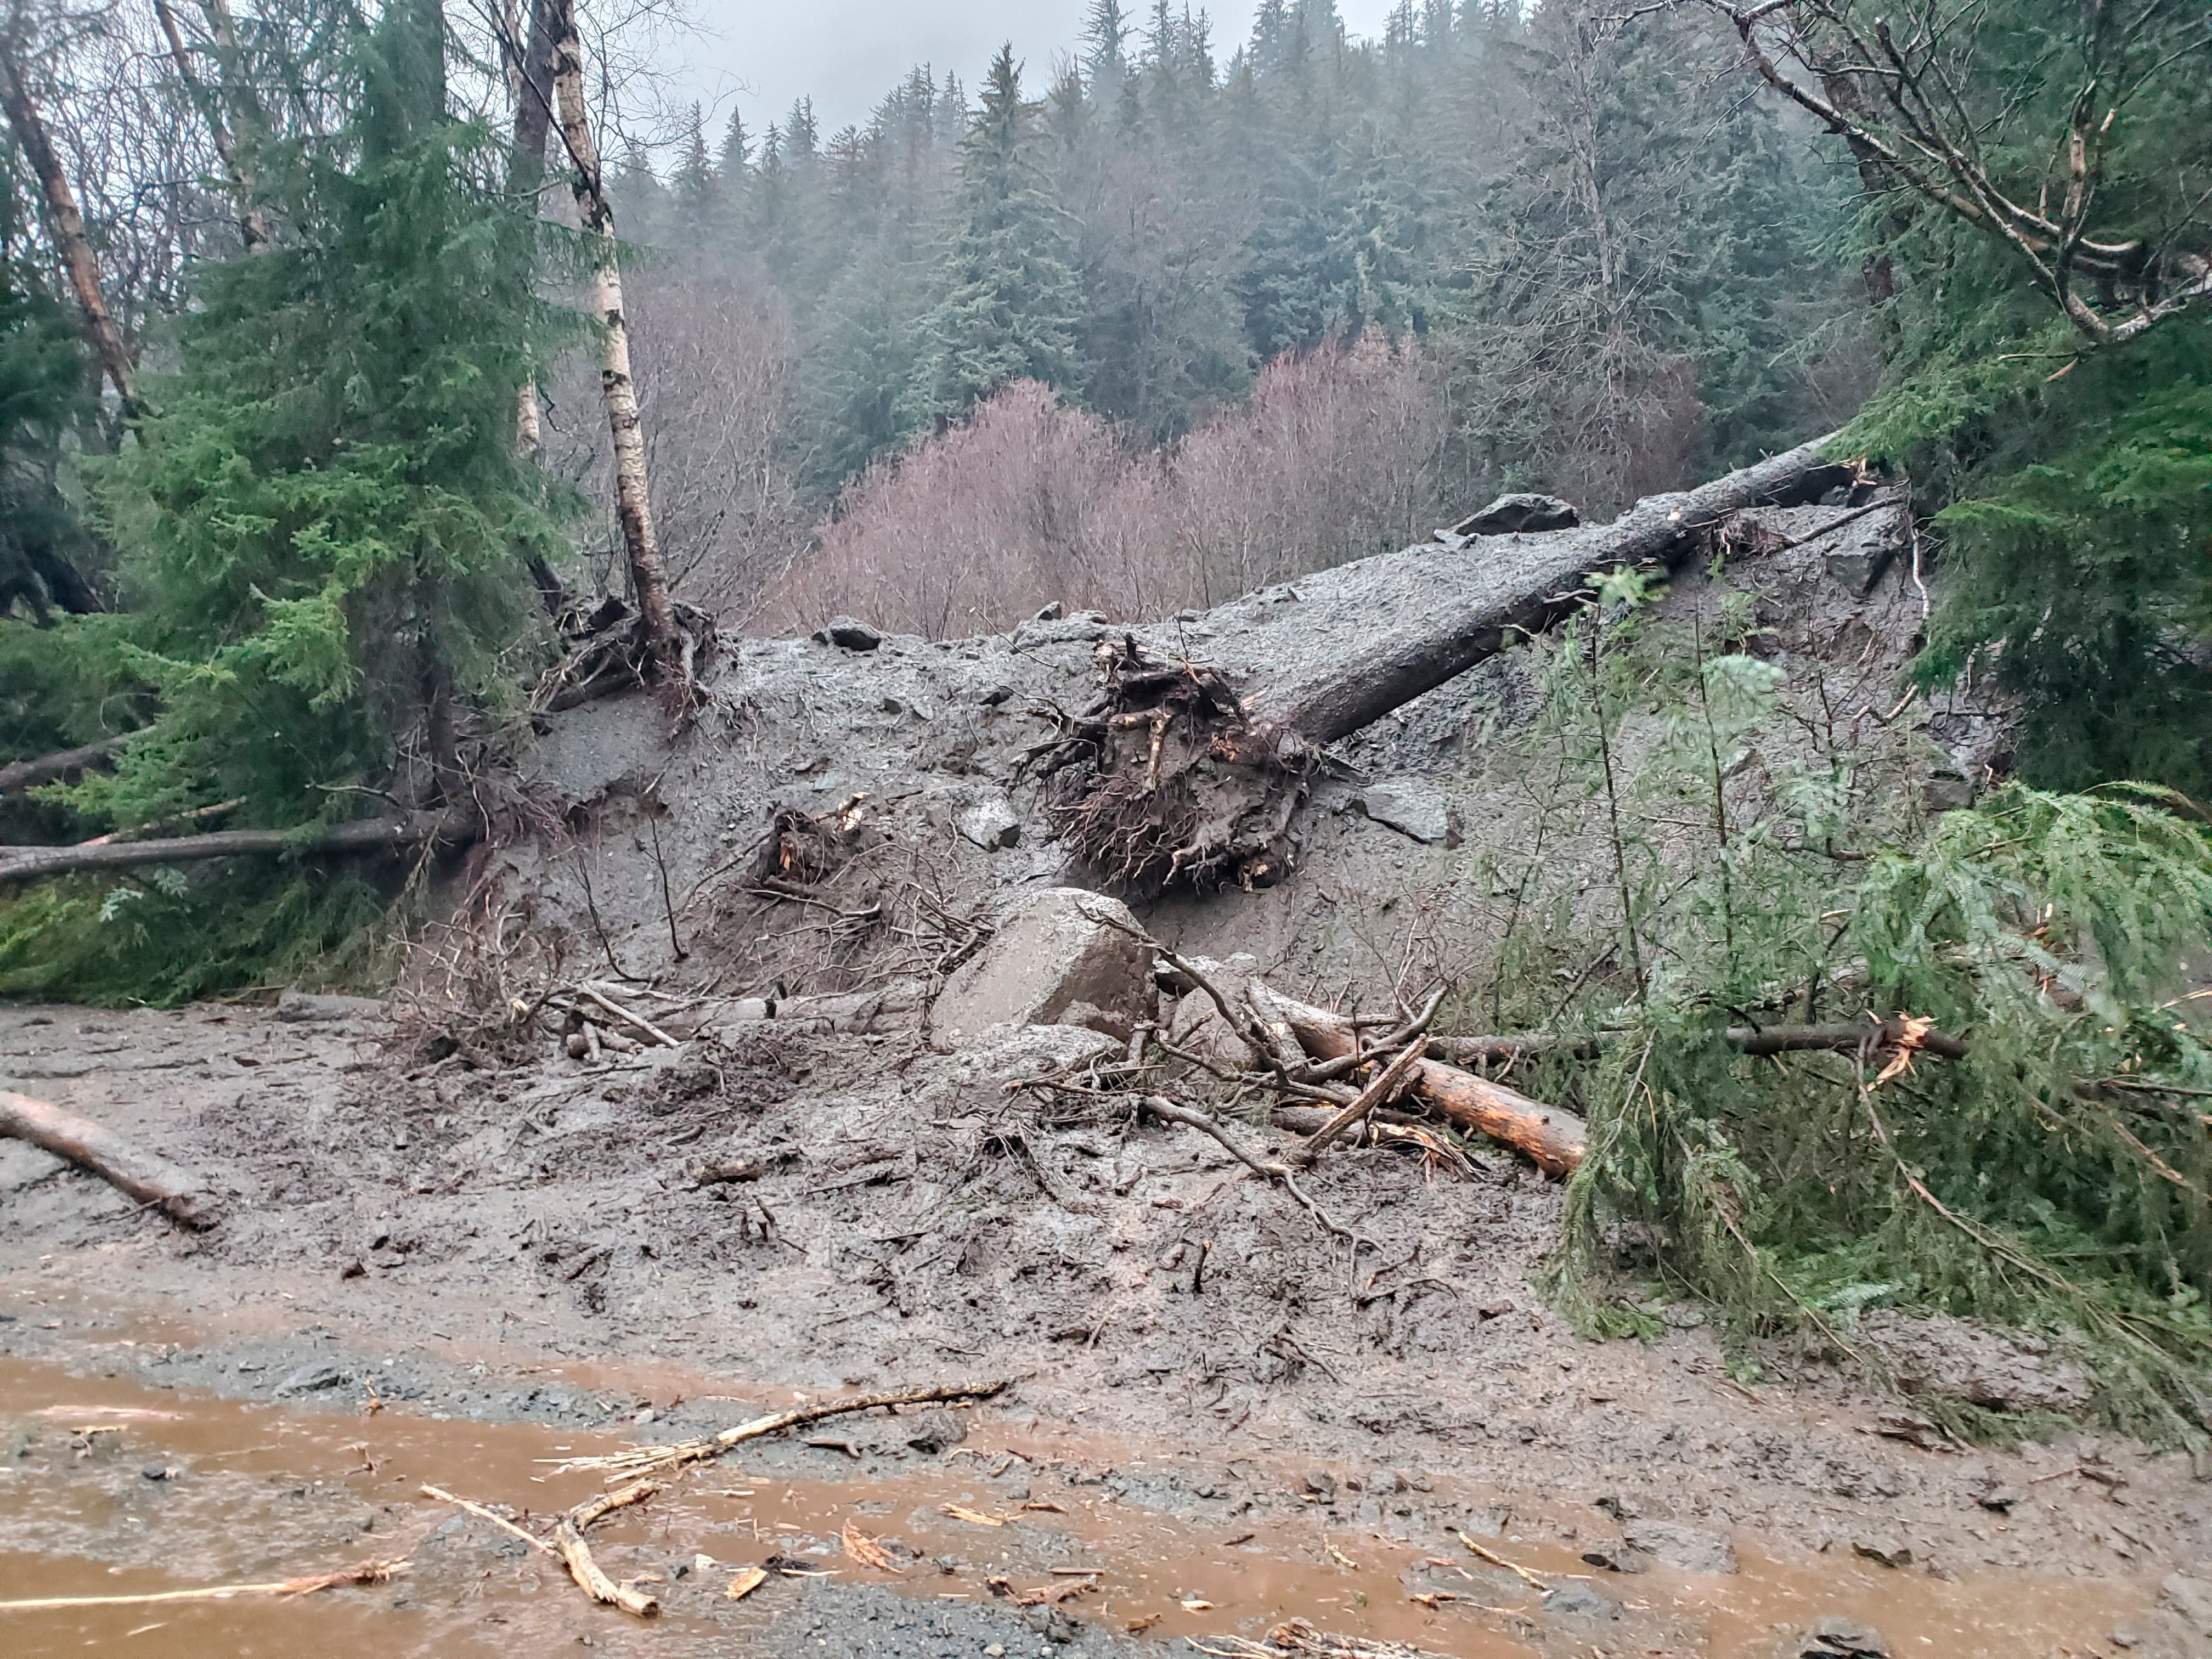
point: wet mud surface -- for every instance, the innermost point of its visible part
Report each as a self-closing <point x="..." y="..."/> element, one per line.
<point x="460" y="1276"/>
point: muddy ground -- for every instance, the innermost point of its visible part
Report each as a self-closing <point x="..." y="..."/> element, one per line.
<point x="439" y="1271"/>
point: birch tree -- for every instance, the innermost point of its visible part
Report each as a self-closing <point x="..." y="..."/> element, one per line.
<point x="664" y="640"/>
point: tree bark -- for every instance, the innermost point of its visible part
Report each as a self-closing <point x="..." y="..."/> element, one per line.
<point x="18" y="775"/>
<point x="1187" y="771"/>
<point x="531" y="72"/>
<point x="65" y="222"/>
<point x="456" y="827"/>
<point x="632" y="497"/>
<point x="1555" y="1138"/>
<point x="152" y="1179"/>
<point x="252" y="223"/>
<point x="1469" y="605"/>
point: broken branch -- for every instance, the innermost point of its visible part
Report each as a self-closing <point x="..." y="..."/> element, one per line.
<point x="647" y="1459"/>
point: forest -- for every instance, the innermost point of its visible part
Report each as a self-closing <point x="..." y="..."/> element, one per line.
<point x="381" y="382"/>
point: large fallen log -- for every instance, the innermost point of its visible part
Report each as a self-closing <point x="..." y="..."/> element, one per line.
<point x="152" y="1179"/>
<point x="1184" y="770"/>
<point x="1555" y="1140"/>
<point x="366" y="835"/>
<point x="1464" y="606"/>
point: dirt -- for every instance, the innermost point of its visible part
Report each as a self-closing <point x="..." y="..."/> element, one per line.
<point x="509" y="1267"/>
<point x="455" y="1255"/>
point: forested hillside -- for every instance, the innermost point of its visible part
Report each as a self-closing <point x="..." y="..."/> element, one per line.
<point x="1576" y="259"/>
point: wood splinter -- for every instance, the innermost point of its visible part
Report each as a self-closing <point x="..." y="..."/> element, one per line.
<point x="367" y="1572"/>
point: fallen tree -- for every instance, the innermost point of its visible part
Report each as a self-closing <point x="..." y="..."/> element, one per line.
<point x="452" y="829"/>
<point x="19" y="776"/>
<point x="1554" y="1138"/>
<point x="149" y="1178"/>
<point x="1183" y="770"/>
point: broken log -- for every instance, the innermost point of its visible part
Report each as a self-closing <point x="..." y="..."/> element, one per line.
<point x="1554" y="1138"/>
<point x="19" y="776"/>
<point x="152" y="1179"/>
<point x="454" y="829"/>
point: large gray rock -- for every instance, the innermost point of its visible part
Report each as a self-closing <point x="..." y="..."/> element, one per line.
<point x="989" y="821"/>
<point x="1410" y="806"/>
<point x="1509" y="515"/>
<point x="1938" y="1354"/>
<point x="309" y="1008"/>
<point x="1049" y="953"/>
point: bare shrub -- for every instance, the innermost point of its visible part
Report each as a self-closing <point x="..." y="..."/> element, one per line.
<point x="715" y="358"/>
<point x="1335" y="456"/>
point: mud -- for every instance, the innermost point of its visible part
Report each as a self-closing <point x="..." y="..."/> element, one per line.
<point x="509" y="1263"/>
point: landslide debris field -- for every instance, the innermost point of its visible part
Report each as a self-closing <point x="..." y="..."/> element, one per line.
<point x="799" y="1063"/>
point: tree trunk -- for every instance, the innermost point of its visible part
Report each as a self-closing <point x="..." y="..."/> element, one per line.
<point x="252" y="224"/>
<point x="152" y="1179"/>
<point x="1469" y="605"/>
<point x="1187" y="771"/>
<point x="454" y="828"/>
<point x="18" y="775"/>
<point x="530" y="71"/>
<point x="66" y="223"/>
<point x="633" y="500"/>
<point x="1555" y="1140"/>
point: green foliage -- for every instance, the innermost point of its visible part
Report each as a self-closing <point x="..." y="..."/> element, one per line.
<point x="1009" y="302"/>
<point x="2080" y="570"/>
<point x="160" y="938"/>
<point x="323" y="529"/>
<point x="2074" y="479"/>
<point x="323" y="533"/>
<point x="2055" y="1179"/>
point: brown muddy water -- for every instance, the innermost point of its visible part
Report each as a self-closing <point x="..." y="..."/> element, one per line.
<point x="108" y="1488"/>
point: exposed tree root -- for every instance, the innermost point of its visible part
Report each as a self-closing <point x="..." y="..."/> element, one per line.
<point x="1166" y="779"/>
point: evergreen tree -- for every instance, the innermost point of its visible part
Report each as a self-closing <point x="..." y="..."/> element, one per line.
<point x="1009" y="303"/>
<point x="323" y="530"/>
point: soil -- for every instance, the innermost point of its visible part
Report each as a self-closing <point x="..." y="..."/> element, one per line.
<point x="467" y="1273"/>
<point x="456" y="1255"/>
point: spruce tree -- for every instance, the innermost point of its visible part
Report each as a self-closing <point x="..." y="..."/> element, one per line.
<point x="1009" y="303"/>
<point x="324" y="527"/>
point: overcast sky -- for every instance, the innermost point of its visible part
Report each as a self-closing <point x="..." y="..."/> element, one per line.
<point x="848" y="53"/>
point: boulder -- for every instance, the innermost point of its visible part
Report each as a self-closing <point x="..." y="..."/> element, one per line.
<point x="1576" y="1600"/>
<point x="1050" y="952"/>
<point x="1509" y="515"/>
<point x="1693" y="1549"/>
<point x="1940" y="1355"/>
<point x="1409" y="807"/>
<point x="989" y="821"/>
<point x="306" y="1008"/>
<point x="851" y="632"/>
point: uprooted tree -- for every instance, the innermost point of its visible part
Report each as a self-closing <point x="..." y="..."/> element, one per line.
<point x="1187" y="770"/>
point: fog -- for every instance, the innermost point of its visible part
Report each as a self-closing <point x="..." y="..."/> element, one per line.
<point x="846" y="54"/>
